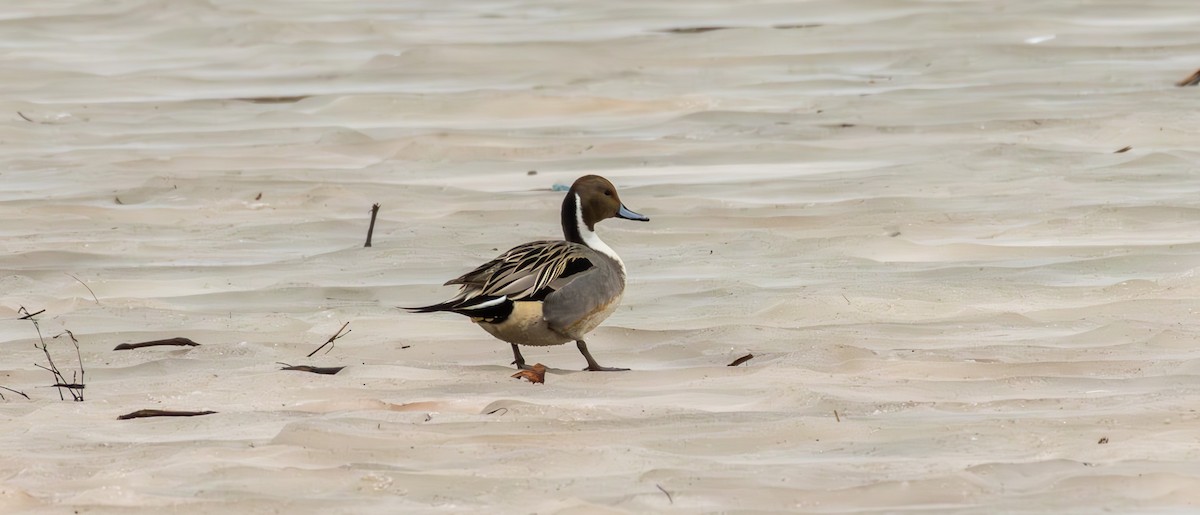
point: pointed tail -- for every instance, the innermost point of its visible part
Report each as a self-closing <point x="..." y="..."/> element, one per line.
<point x="475" y="307"/>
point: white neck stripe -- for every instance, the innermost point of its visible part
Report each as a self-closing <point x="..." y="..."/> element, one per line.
<point x="591" y="239"/>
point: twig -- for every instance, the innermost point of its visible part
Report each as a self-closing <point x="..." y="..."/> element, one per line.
<point x="75" y="388"/>
<point x="273" y="100"/>
<point x="177" y="341"/>
<point x="53" y="369"/>
<point x="664" y="490"/>
<point x="147" y="413"/>
<point x="28" y="315"/>
<point x="741" y="360"/>
<point x="79" y="357"/>
<point x="86" y="286"/>
<point x="694" y="30"/>
<point x="371" y="228"/>
<point x="307" y="368"/>
<point x="23" y="117"/>
<point x="330" y="341"/>
<point x="836" y="417"/>
<point x="22" y="394"/>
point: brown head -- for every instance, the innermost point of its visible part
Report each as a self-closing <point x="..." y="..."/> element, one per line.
<point x="592" y="199"/>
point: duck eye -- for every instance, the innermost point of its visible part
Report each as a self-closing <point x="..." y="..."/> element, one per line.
<point x="607" y="193"/>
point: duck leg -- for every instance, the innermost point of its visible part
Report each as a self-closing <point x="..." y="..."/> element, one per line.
<point x="592" y="365"/>
<point x="518" y="359"/>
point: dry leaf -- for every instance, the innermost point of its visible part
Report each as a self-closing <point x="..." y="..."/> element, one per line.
<point x="146" y="413"/>
<point x="535" y="374"/>
<point x="741" y="360"/>
<point x="1191" y="80"/>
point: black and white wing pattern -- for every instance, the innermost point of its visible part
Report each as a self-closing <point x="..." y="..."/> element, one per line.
<point x="526" y="272"/>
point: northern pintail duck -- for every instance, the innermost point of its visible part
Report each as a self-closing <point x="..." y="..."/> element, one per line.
<point x="550" y="292"/>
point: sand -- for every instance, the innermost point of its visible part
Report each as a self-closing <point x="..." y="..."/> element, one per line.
<point x="958" y="297"/>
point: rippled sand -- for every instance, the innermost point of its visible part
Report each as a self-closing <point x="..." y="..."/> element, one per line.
<point x="910" y="212"/>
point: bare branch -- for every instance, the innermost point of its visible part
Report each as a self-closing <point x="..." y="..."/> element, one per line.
<point x="177" y="341"/>
<point x="331" y="339"/>
<point x="89" y="289"/>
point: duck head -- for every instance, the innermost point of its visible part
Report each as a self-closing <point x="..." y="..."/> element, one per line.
<point x="592" y="199"/>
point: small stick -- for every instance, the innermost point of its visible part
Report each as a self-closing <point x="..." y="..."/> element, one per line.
<point x="836" y="417"/>
<point x="28" y="315"/>
<point x="79" y="357"/>
<point x="1124" y="150"/>
<point x="177" y="341"/>
<point x="371" y="228"/>
<point x="147" y="413"/>
<point x="58" y="378"/>
<point x="330" y="341"/>
<point x="316" y="370"/>
<point x="273" y="100"/>
<point x="664" y="490"/>
<point x="694" y="30"/>
<point x="741" y="360"/>
<point x="23" y="117"/>
<point x="86" y="286"/>
<point x="22" y="394"/>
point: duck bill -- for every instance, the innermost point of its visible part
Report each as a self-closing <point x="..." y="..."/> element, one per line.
<point x="625" y="213"/>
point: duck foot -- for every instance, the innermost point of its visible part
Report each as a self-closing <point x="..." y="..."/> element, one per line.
<point x="518" y="359"/>
<point x="599" y="368"/>
<point x="592" y="365"/>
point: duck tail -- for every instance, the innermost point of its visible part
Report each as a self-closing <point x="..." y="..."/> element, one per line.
<point x="475" y="307"/>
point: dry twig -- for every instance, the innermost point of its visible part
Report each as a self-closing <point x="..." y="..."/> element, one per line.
<point x="331" y="339"/>
<point x="664" y="490"/>
<point x="316" y="370"/>
<point x="22" y="394"/>
<point x="371" y="228"/>
<point x="76" y="385"/>
<point x="89" y="289"/>
<point x="177" y="341"/>
<point x="147" y="413"/>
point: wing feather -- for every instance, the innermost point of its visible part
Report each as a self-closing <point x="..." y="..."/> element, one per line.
<point x="524" y="271"/>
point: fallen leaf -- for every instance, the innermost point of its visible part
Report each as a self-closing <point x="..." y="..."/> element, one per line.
<point x="741" y="360"/>
<point x="177" y="341"/>
<point x="1191" y="80"/>
<point x="535" y="374"/>
<point x="146" y="413"/>
<point x="316" y="370"/>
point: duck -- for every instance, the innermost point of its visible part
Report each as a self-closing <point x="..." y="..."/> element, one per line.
<point x="550" y="292"/>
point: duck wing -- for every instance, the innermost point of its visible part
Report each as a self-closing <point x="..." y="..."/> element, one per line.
<point x="526" y="272"/>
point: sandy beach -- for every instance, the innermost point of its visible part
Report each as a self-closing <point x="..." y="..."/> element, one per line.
<point x="959" y="296"/>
